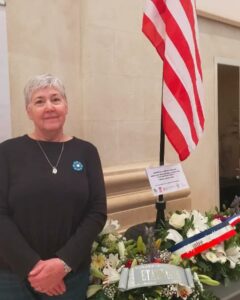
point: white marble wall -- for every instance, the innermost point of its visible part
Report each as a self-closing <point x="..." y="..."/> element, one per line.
<point x="113" y="80"/>
<point x="43" y="37"/>
<point x="121" y="82"/>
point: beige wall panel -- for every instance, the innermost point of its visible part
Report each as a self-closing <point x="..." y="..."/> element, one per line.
<point x="43" y="37"/>
<point x="121" y="85"/>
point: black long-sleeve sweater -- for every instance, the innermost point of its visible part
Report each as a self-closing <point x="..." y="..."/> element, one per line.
<point x="45" y="215"/>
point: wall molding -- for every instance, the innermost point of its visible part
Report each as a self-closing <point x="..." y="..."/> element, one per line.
<point x="218" y="18"/>
<point x="130" y="199"/>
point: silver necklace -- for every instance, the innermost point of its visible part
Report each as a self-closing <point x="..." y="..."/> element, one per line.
<point x="54" y="168"/>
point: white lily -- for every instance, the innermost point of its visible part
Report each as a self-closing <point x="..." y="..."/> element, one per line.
<point x="113" y="260"/>
<point x="220" y="252"/>
<point x="199" y="221"/>
<point x="233" y="256"/>
<point x="111" y="226"/>
<point x="222" y="258"/>
<point x="174" y="235"/>
<point x="219" y="248"/>
<point x="112" y="275"/>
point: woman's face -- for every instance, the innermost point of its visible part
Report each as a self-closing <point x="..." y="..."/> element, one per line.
<point x="47" y="109"/>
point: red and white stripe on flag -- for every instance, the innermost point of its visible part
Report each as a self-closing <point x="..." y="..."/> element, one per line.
<point x="171" y="26"/>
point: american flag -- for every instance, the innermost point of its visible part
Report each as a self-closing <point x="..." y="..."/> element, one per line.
<point x="171" y="26"/>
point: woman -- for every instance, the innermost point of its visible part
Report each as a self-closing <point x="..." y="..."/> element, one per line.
<point x="52" y="202"/>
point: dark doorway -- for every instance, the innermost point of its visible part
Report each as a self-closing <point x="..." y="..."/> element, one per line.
<point x="228" y="130"/>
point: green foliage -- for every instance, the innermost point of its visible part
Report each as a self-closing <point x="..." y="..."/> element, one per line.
<point x="141" y="247"/>
<point x="188" y="224"/>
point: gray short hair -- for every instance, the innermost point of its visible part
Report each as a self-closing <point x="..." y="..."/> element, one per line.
<point x="40" y="82"/>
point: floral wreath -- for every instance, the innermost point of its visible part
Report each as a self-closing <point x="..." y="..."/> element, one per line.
<point x="207" y="244"/>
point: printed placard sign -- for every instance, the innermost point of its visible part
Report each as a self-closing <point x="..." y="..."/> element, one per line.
<point x="167" y="179"/>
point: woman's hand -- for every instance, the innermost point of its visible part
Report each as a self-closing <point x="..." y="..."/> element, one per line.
<point x="47" y="277"/>
<point x="59" y="289"/>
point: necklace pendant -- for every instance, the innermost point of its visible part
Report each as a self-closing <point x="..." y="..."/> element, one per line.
<point x="54" y="170"/>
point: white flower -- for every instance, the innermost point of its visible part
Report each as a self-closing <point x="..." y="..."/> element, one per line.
<point x="222" y="258"/>
<point x="113" y="260"/>
<point x="220" y="252"/>
<point x="199" y="224"/>
<point x="199" y="221"/>
<point x="233" y="256"/>
<point x="174" y="235"/>
<point x="215" y="256"/>
<point x="215" y="222"/>
<point x="112" y="274"/>
<point x="121" y="249"/>
<point x="219" y="248"/>
<point x="104" y="249"/>
<point x="112" y="237"/>
<point x="210" y="256"/>
<point x="111" y="226"/>
<point x="191" y="232"/>
<point x="183" y="291"/>
<point x="177" y="221"/>
<point x="187" y="213"/>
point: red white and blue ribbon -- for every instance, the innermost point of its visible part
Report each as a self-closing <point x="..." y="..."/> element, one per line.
<point x="234" y="219"/>
<point x="207" y="238"/>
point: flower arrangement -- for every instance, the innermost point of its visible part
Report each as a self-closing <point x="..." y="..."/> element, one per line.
<point x="222" y="261"/>
<point x="112" y="253"/>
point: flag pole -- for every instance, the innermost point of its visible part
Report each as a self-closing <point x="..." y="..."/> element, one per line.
<point x="160" y="203"/>
<point x="166" y="31"/>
